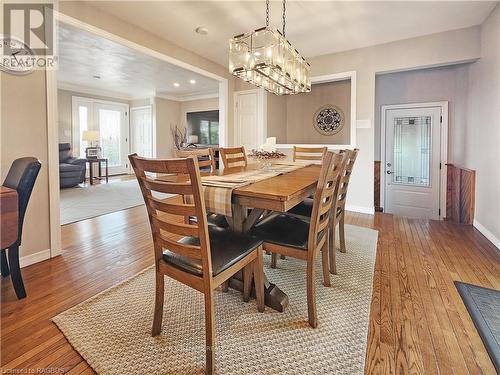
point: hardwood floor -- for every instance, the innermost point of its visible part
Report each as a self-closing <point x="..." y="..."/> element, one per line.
<point x="418" y="323"/>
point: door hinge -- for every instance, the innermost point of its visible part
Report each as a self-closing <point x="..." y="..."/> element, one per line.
<point x="439" y="212"/>
<point x="441" y="119"/>
<point x="439" y="165"/>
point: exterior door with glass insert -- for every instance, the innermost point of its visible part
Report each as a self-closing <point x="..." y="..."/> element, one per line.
<point x="412" y="158"/>
<point x="141" y="125"/>
<point x="112" y="122"/>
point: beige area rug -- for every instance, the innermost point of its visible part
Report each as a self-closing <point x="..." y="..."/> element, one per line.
<point x="82" y="203"/>
<point x="112" y="330"/>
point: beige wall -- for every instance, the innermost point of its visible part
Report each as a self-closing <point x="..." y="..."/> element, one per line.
<point x="276" y="117"/>
<point x="431" y="50"/>
<point x="301" y="108"/>
<point x="448" y="83"/>
<point x="64" y="108"/>
<point x="167" y="114"/>
<point x="482" y="136"/>
<point x="24" y="133"/>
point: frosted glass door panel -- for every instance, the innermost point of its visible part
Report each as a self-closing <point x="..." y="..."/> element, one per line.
<point x="412" y="152"/>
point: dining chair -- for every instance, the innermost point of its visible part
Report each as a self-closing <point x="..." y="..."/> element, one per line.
<point x="21" y="177"/>
<point x="205" y="156"/>
<point x="197" y="255"/>
<point x="303" y="239"/>
<point x="309" y="153"/>
<point x="305" y="208"/>
<point x="206" y="162"/>
<point x="233" y="156"/>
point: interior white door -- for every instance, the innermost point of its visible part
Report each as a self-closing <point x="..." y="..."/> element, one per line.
<point x="141" y="125"/>
<point x="247" y="124"/>
<point x="113" y="125"/>
<point x="412" y="162"/>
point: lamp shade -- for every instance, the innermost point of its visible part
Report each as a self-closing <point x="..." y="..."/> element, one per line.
<point x="90" y="135"/>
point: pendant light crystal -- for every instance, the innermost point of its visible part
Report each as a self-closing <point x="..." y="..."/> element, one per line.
<point x="265" y="58"/>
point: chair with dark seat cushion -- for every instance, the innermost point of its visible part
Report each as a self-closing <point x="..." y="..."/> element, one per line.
<point x="191" y="252"/>
<point x="291" y="236"/>
<point x="71" y="169"/>
<point x="304" y="209"/>
<point x="226" y="248"/>
<point x="21" y="177"/>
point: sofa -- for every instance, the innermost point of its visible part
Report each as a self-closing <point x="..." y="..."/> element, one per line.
<point x="71" y="169"/>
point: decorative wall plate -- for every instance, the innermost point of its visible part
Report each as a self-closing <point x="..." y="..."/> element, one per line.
<point x="328" y="120"/>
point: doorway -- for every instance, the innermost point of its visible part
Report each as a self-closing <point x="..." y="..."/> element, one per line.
<point x="141" y="128"/>
<point x="249" y="118"/>
<point x="414" y="148"/>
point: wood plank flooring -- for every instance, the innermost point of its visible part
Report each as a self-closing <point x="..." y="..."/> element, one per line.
<point x="418" y="323"/>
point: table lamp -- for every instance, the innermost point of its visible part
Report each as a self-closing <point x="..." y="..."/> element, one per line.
<point x="91" y="136"/>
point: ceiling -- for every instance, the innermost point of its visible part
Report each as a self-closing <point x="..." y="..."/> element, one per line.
<point x="313" y="27"/>
<point x="124" y="72"/>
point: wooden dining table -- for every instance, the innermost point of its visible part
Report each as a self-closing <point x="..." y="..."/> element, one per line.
<point x="250" y="202"/>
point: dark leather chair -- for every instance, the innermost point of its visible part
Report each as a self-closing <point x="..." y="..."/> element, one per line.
<point x="71" y="169"/>
<point x="21" y="177"/>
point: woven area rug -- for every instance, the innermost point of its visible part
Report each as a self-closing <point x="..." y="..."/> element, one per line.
<point x="112" y="329"/>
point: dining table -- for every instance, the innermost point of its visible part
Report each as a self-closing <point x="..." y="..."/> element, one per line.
<point x="253" y="192"/>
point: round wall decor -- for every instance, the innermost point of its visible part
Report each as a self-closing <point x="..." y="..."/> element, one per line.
<point x="328" y="120"/>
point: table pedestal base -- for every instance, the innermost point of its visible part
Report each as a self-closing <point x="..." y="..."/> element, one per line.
<point x="274" y="297"/>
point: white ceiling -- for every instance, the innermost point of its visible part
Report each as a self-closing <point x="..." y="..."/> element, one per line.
<point x="124" y="72"/>
<point x="313" y="27"/>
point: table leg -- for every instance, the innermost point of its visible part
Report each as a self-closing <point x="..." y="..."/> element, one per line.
<point x="91" y="172"/>
<point x="100" y="169"/>
<point x="107" y="174"/>
<point x="274" y="297"/>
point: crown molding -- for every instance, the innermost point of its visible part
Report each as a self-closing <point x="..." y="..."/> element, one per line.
<point x="94" y="91"/>
<point x="187" y="98"/>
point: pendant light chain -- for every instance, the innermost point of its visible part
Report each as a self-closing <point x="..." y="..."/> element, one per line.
<point x="284" y="17"/>
<point x="267" y="13"/>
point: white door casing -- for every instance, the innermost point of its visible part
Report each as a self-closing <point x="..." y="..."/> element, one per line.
<point x="412" y="160"/>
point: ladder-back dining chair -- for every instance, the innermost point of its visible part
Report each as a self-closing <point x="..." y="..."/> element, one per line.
<point x="205" y="156"/>
<point x="197" y="255"/>
<point x="233" y="156"/>
<point x="309" y="153"/>
<point x="21" y="177"/>
<point x="304" y="209"/>
<point x="303" y="239"/>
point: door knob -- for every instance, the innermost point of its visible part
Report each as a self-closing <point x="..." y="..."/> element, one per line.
<point x="389" y="172"/>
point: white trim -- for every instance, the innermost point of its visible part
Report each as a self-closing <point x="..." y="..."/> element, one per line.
<point x="39" y="256"/>
<point x="52" y="160"/>
<point x="360" y="209"/>
<point x="443" y="148"/>
<point x="485" y="232"/>
<point x="187" y="98"/>
<point x="261" y="114"/>
<point x="52" y="115"/>
<point x="351" y="75"/>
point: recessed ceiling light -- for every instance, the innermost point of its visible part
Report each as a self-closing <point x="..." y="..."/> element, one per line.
<point x="201" y="30"/>
<point x="177" y="84"/>
<point x="192" y="81"/>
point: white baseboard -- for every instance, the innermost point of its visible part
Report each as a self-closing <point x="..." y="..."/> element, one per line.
<point x="360" y="209"/>
<point x="30" y="259"/>
<point x="485" y="232"/>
